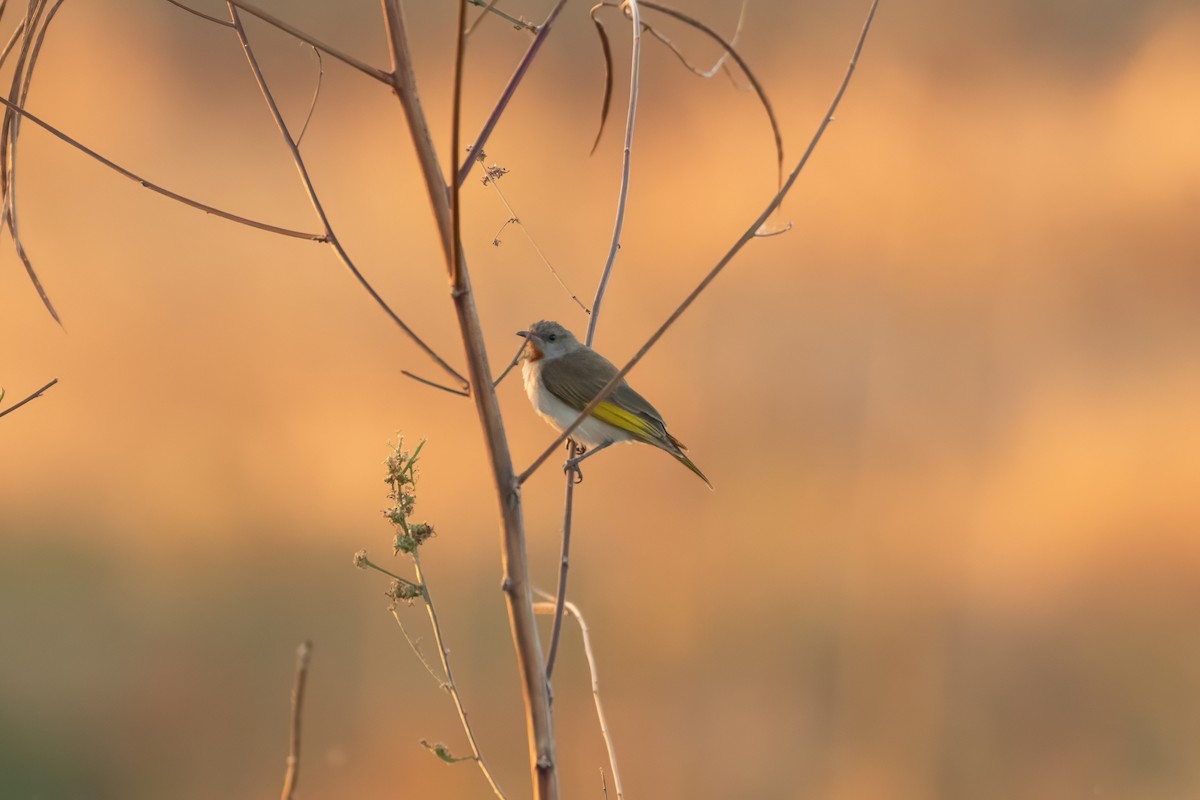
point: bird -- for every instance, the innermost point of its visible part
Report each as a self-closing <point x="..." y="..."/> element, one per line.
<point x="562" y="375"/>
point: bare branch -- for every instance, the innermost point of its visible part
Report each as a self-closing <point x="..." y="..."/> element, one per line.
<point x="33" y="396"/>
<point x="345" y="58"/>
<point x="303" y="655"/>
<point x="489" y="7"/>
<point x="550" y="608"/>
<point x="516" y="359"/>
<point x="312" y="106"/>
<point x="460" y="46"/>
<point x="560" y="594"/>
<point x="749" y="234"/>
<point x="223" y="22"/>
<point x="187" y="201"/>
<point x="509" y="90"/>
<point x="623" y="194"/>
<point x="17" y="33"/>
<point x="435" y="384"/>
<point x="330" y="236"/>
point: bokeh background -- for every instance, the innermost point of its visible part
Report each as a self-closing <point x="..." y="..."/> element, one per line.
<point x="951" y="416"/>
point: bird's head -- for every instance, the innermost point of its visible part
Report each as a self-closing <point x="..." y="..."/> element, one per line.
<point x="548" y="339"/>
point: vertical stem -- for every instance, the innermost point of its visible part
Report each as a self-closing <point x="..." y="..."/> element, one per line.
<point x="623" y="194"/>
<point x="303" y="654"/>
<point x="516" y="586"/>
<point x="460" y="45"/>
<point x="563" y="565"/>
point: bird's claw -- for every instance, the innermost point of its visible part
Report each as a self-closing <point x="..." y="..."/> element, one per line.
<point x="571" y="465"/>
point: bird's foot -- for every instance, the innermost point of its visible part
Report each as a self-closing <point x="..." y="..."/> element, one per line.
<point x="571" y="465"/>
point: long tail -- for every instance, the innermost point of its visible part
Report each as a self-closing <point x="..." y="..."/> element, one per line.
<point x="676" y="449"/>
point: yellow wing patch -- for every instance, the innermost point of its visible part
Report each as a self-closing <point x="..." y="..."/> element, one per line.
<point x="627" y="421"/>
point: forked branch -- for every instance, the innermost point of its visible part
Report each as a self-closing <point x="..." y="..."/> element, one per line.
<point x="330" y="237"/>
<point x="514" y="560"/>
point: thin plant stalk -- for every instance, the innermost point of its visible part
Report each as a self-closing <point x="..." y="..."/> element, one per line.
<point x="552" y="608"/>
<point x="564" y="562"/>
<point x="292" y="774"/>
<point x="614" y="247"/>
<point x="33" y="396"/>
<point x="623" y="192"/>
<point x="450" y="684"/>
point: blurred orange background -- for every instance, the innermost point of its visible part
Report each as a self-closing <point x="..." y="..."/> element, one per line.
<point x="951" y="416"/>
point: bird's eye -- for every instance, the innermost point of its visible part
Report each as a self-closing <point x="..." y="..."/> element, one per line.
<point x="552" y="336"/>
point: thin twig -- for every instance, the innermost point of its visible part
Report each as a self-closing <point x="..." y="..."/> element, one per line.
<point x="316" y="94"/>
<point x="492" y="179"/>
<point x="315" y="201"/>
<point x="441" y="682"/>
<point x="489" y="7"/>
<point x="623" y="193"/>
<point x="719" y="63"/>
<point x="450" y="685"/>
<point x="560" y="594"/>
<point x="303" y="655"/>
<point x="507" y="94"/>
<point x="143" y="182"/>
<point x="460" y="46"/>
<point x="33" y="396"/>
<point x="345" y="58"/>
<point x="223" y="22"/>
<point x="516" y="359"/>
<point x="551" y="608"/>
<point x="748" y="235"/>
<point x="435" y="384"/>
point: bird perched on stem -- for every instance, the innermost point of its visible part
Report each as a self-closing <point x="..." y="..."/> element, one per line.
<point x="562" y="375"/>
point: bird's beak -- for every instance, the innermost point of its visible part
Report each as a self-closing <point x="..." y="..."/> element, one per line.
<point x="534" y="350"/>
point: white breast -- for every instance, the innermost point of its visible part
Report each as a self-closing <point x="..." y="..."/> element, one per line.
<point x="591" y="432"/>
